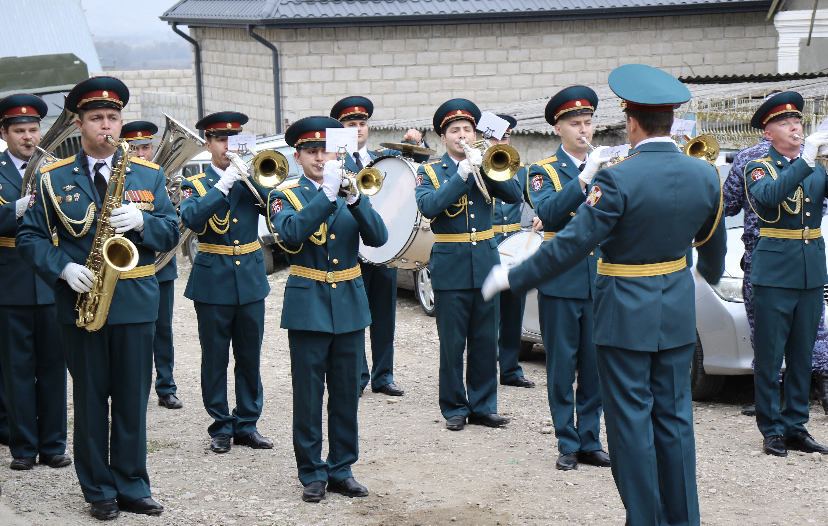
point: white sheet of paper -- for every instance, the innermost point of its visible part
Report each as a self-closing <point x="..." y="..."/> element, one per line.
<point x="335" y="138"/>
<point x="492" y="125"/>
<point x="823" y="127"/>
<point x="621" y="150"/>
<point x="234" y="141"/>
<point x="682" y="127"/>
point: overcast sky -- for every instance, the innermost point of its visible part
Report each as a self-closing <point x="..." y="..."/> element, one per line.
<point x="136" y="23"/>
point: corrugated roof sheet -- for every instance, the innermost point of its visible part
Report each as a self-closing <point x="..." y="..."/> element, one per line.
<point x="730" y="79"/>
<point x="45" y="27"/>
<point x="303" y="13"/>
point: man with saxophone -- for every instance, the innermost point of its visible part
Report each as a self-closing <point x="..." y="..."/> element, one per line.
<point x="228" y="285"/>
<point x="139" y="135"/>
<point x="31" y="354"/>
<point x="464" y="251"/>
<point x="109" y="354"/>
<point x="510" y="306"/>
<point x="325" y="308"/>
<point x="557" y="187"/>
<point x="645" y="211"/>
<point x="380" y="280"/>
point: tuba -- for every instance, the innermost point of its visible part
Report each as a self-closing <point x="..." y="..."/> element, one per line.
<point x="60" y="130"/>
<point x="111" y="253"/>
<point x="178" y="146"/>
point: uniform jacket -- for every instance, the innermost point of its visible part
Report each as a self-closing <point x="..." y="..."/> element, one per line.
<point x="645" y="209"/>
<point x="20" y="284"/>
<point x="556" y="208"/>
<point x="509" y="213"/>
<point x="135" y="300"/>
<point x="312" y="305"/>
<point x="787" y="263"/>
<point x="221" y="279"/>
<point x="460" y="266"/>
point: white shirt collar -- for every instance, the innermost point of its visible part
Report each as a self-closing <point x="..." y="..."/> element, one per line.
<point x="218" y="170"/>
<point x="364" y="156"/>
<point x="17" y="162"/>
<point x="656" y="139"/>
<point x="575" y="160"/>
<point x="105" y="170"/>
<point x="315" y="184"/>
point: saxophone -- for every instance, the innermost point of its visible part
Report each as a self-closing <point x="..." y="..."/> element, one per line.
<point x="111" y="253"/>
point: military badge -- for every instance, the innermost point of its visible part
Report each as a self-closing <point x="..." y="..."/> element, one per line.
<point x="276" y="207"/>
<point x="419" y="179"/>
<point x="59" y="199"/>
<point x="33" y="198"/>
<point x="757" y="174"/>
<point x="143" y="199"/>
<point x="537" y="182"/>
<point x="77" y="196"/>
<point x="185" y="193"/>
<point x="69" y="198"/>
<point x="594" y="195"/>
<point x="68" y="187"/>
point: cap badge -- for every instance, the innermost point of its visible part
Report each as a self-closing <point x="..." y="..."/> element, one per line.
<point x="24" y="110"/>
<point x="317" y="135"/>
<point x="787" y="106"/>
<point x="140" y="134"/>
<point x="577" y="103"/>
<point x="459" y="112"/>
<point x="105" y="93"/>
<point x="229" y="125"/>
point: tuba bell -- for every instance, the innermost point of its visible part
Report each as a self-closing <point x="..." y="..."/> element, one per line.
<point x="60" y="130"/>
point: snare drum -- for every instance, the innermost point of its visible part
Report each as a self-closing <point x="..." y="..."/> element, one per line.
<point x="409" y="234"/>
<point x="518" y="247"/>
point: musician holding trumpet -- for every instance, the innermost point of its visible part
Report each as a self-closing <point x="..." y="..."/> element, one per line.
<point x="454" y="192"/>
<point x="108" y="350"/>
<point x="31" y="355"/>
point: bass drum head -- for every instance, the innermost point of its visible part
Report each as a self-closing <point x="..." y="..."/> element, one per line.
<point x="396" y="205"/>
<point x="518" y="247"/>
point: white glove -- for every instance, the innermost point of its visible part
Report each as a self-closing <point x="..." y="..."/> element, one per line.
<point x="332" y="179"/>
<point x="497" y="280"/>
<point x="229" y="178"/>
<point x="79" y="278"/>
<point x="593" y="164"/>
<point x="812" y="144"/>
<point x="126" y="218"/>
<point x="20" y="206"/>
<point x="465" y="168"/>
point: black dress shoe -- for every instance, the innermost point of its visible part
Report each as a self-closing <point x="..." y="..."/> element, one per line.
<point x="220" y="443"/>
<point x="23" y="464"/>
<point x="456" y="423"/>
<point x="567" y="462"/>
<point x="520" y="381"/>
<point x="802" y="441"/>
<point x="349" y="487"/>
<point x="492" y="420"/>
<point x="170" y="401"/>
<point x="598" y="458"/>
<point x="749" y="410"/>
<point x="774" y="445"/>
<point x="103" y="510"/>
<point x="4" y="439"/>
<point x="55" y="461"/>
<point x="314" y="492"/>
<point x="389" y="389"/>
<point x="253" y="440"/>
<point x="143" y="506"/>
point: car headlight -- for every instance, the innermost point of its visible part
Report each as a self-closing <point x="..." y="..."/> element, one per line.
<point x="729" y="289"/>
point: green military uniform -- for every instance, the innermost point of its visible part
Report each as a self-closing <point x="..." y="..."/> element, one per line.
<point x="325" y="311"/>
<point x="645" y="211"/>
<point x="464" y="251"/>
<point x="228" y="285"/>
<point x="113" y="364"/>
<point x="788" y="275"/>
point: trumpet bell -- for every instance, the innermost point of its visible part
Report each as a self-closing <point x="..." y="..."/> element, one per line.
<point x="369" y="181"/>
<point x="704" y="147"/>
<point x="269" y="168"/>
<point x="501" y="162"/>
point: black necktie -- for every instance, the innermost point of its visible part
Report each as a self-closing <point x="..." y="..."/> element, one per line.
<point x="358" y="160"/>
<point x="100" y="182"/>
<point x="581" y="168"/>
<point x="24" y="165"/>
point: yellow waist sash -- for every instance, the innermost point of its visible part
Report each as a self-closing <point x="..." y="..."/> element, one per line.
<point x="465" y="237"/>
<point x="505" y="229"/>
<point x="547" y="236"/>
<point x="7" y="242"/>
<point x="228" y="250"/>
<point x="326" y="277"/>
<point x="784" y="233"/>
<point x="138" y="272"/>
<point x="640" y="271"/>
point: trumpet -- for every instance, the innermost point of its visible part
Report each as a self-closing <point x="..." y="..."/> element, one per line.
<point x="500" y="163"/>
<point x="704" y="147"/>
<point x="268" y="169"/>
<point x="614" y="158"/>
<point x="367" y="182"/>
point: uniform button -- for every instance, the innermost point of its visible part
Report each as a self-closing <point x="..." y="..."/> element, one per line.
<point x="333" y="236"/>
<point x="472" y="216"/>
<point x="471" y="202"/>
<point x="235" y="241"/>
<point x="592" y="253"/>
<point x="807" y="199"/>
<point x="333" y="285"/>
<point x="505" y="218"/>
<point x="474" y="230"/>
<point x="238" y="262"/>
<point x="474" y="242"/>
<point x="808" y="214"/>
<point x="235" y="220"/>
<point x="336" y="262"/>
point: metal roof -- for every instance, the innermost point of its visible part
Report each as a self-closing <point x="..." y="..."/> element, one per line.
<point x="46" y="27"/>
<point x="332" y="13"/>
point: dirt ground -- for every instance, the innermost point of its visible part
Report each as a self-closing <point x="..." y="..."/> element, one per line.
<point x="417" y="471"/>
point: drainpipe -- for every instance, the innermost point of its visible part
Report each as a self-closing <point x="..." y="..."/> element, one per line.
<point x="277" y="92"/>
<point x="199" y="94"/>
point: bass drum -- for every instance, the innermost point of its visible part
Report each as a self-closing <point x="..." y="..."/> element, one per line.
<point x="518" y="247"/>
<point x="409" y="234"/>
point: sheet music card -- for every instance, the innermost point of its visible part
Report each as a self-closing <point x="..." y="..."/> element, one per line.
<point x="823" y="127"/>
<point x="492" y="126"/>
<point x="619" y="151"/>
<point x="682" y="127"/>
<point x="248" y="142"/>
<point x="336" y="138"/>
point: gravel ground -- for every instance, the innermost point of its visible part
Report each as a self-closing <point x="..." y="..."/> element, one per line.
<point x="416" y="470"/>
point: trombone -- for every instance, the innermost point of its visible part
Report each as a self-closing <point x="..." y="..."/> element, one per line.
<point x="268" y="169"/>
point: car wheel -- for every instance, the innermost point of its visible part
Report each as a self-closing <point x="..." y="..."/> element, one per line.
<point x="268" y="259"/>
<point x="422" y="287"/>
<point x="192" y="248"/>
<point x="703" y="385"/>
<point x="525" y="351"/>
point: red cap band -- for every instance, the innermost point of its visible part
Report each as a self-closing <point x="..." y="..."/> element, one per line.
<point x="98" y="95"/>
<point x="311" y="136"/>
<point x="456" y="115"/>
<point x="353" y="110"/>
<point x="779" y="110"/>
<point x="223" y="126"/>
<point x="654" y="108"/>
<point x="137" y="135"/>
<point x="21" y="111"/>
<point x="577" y="104"/>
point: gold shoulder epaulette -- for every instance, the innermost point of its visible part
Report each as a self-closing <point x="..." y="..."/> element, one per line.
<point x="63" y="162"/>
<point x="144" y="162"/>
<point x="521" y="165"/>
<point x="194" y="177"/>
<point x="547" y="160"/>
<point x="288" y="187"/>
<point x="381" y="149"/>
<point x="625" y="158"/>
<point x="438" y="161"/>
<point x="763" y="159"/>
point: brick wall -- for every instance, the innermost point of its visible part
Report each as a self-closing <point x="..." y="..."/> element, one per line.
<point x="180" y="81"/>
<point x="408" y="71"/>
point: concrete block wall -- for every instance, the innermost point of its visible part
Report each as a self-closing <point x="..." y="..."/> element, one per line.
<point x="181" y="107"/>
<point x="181" y="81"/>
<point x="408" y="71"/>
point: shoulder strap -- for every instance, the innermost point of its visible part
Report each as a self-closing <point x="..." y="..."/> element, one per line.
<point x="144" y="162"/>
<point x="292" y="199"/>
<point x="194" y="177"/>
<point x="63" y="162"/>
<point x="199" y="186"/>
<point x="553" y="174"/>
<point x="432" y="175"/>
